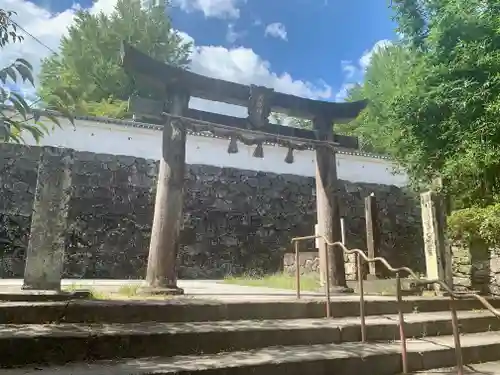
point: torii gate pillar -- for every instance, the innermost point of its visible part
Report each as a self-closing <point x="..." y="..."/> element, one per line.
<point x="328" y="213"/>
<point x="161" y="273"/>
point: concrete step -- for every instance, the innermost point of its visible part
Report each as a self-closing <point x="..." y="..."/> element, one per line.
<point x="61" y="343"/>
<point x="487" y="368"/>
<point x="192" y="310"/>
<point x="323" y="359"/>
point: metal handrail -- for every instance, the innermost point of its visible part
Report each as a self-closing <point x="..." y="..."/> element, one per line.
<point x="360" y="256"/>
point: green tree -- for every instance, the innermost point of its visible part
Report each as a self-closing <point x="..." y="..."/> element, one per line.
<point x="385" y="76"/>
<point x="358" y="127"/>
<point x="16" y="115"/>
<point x="435" y="96"/>
<point x="88" y="62"/>
<point x="282" y="119"/>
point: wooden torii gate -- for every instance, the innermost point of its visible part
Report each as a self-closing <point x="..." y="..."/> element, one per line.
<point x="179" y="86"/>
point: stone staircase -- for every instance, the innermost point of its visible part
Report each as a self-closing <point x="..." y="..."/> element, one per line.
<point x="191" y="336"/>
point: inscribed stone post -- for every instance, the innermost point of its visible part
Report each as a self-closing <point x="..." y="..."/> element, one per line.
<point x="45" y="254"/>
<point x="437" y="250"/>
<point x="372" y="233"/>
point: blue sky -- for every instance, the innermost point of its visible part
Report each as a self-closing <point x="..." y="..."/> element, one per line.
<point x="319" y="36"/>
<point x="321" y="43"/>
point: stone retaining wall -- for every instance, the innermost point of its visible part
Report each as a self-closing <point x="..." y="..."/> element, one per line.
<point x="235" y="221"/>
<point x="476" y="266"/>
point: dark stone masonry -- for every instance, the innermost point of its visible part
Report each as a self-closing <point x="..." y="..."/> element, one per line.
<point x="476" y="266"/>
<point x="235" y="221"/>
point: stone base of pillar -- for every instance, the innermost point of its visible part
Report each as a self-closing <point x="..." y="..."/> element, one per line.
<point x="155" y="291"/>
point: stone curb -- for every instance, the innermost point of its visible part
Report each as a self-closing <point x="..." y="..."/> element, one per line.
<point x="198" y="310"/>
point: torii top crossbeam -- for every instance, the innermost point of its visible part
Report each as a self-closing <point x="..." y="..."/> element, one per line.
<point x="260" y="101"/>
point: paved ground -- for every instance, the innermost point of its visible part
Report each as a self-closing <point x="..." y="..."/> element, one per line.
<point x="213" y="289"/>
<point x="202" y="288"/>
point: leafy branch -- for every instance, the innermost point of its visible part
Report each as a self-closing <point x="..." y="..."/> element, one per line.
<point x="17" y="116"/>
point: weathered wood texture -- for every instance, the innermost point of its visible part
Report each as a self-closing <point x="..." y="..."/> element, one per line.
<point x="328" y="208"/>
<point x="161" y="271"/>
<point x="159" y="74"/>
<point x="45" y="254"/>
<point x="154" y="110"/>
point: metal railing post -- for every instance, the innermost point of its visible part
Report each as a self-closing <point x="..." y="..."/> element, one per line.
<point x="361" y="297"/>
<point x="456" y="337"/>
<point x="342" y="230"/>
<point x="362" y="256"/>
<point x="297" y="268"/>
<point x="402" y="336"/>
<point x="327" y="278"/>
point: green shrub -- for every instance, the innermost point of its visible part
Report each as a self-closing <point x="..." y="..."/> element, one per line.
<point x="476" y="224"/>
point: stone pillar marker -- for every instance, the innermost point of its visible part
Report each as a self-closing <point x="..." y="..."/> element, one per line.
<point x="45" y="253"/>
<point x="437" y="249"/>
<point x="372" y="233"/>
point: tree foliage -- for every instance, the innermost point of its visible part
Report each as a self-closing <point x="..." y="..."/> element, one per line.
<point x="88" y="62"/>
<point x="284" y="120"/>
<point x="105" y="108"/>
<point x="476" y="224"/>
<point x="435" y="96"/>
<point x="16" y="115"/>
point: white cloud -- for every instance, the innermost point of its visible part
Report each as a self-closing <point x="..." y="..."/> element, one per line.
<point x="232" y="35"/>
<point x="46" y="27"/>
<point x="211" y="8"/>
<point x="366" y="58"/>
<point x="276" y="30"/>
<point x="240" y="64"/>
<point x="243" y="65"/>
<point x="349" y="69"/>
<point x="341" y="95"/>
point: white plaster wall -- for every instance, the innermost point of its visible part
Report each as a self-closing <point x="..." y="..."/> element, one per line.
<point x="127" y="140"/>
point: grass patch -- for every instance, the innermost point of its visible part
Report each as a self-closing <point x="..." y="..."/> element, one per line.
<point x="308" y="282"/>
<point x="129" y="290"/>
<point x="94" y="294"/>
<point x="124" y="292"/>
